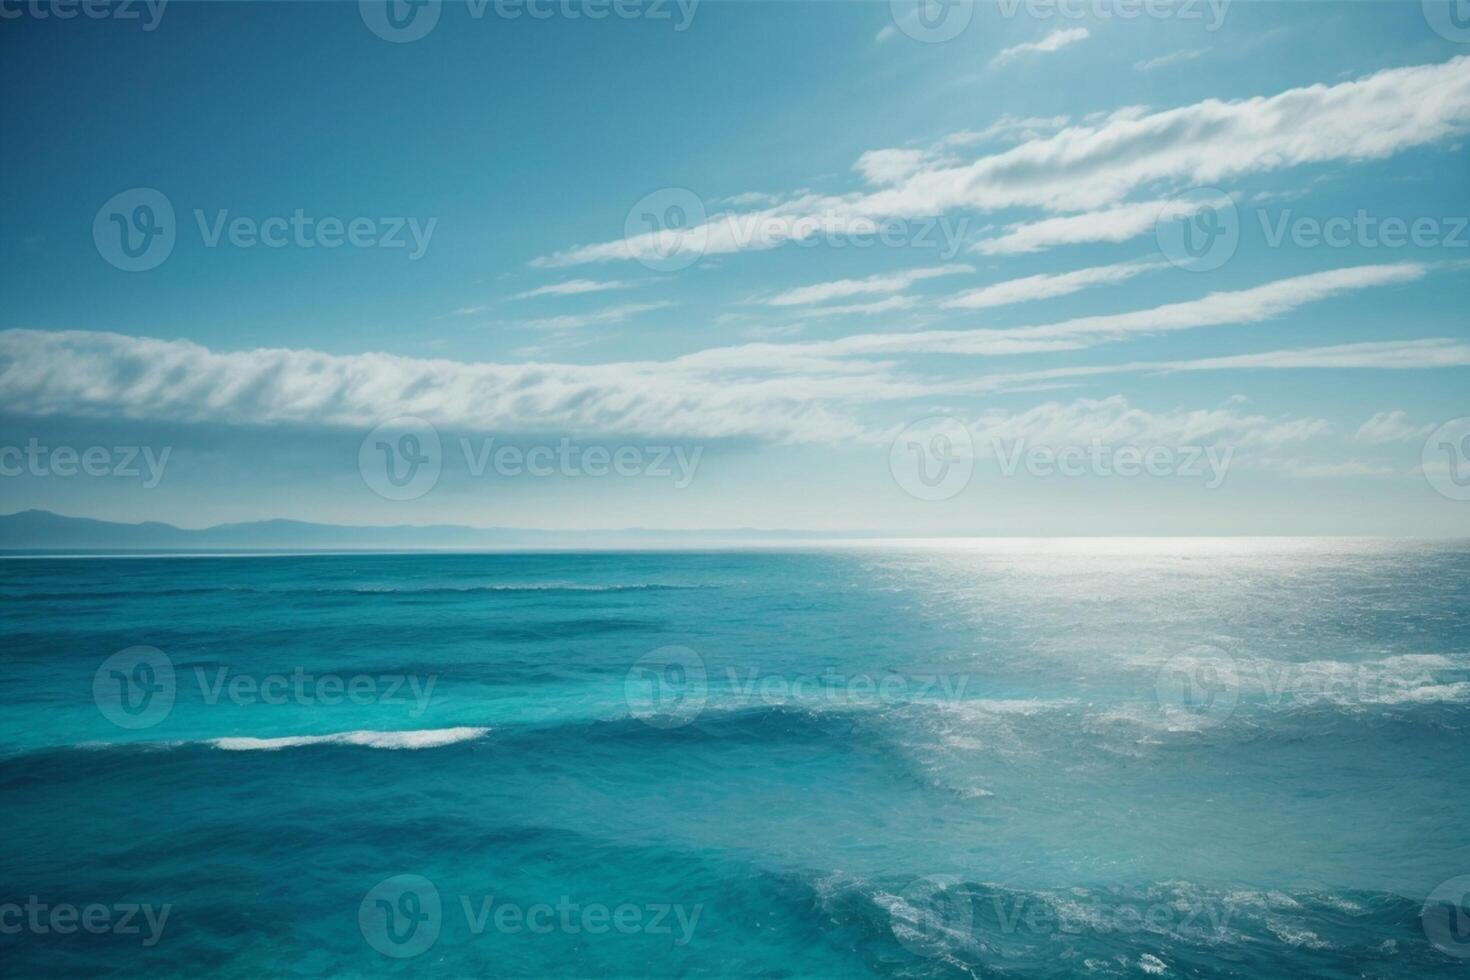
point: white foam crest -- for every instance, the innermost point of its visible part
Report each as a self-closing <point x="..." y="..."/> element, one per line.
<point x="519" y="587"/>
<point x="1297" y="936"/>
<point x="429" y="738"/>
<point x="1149" y="963"/>
<point x="1401" y="679"/>
<point x="982" y="707"/>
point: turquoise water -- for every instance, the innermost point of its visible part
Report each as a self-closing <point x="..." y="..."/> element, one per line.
<point x="1013" y="759"/>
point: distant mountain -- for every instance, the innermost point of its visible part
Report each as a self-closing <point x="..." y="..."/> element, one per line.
<point x="42" y="530"/>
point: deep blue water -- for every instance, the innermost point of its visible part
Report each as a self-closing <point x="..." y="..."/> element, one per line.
<point x="1017" y="759"/>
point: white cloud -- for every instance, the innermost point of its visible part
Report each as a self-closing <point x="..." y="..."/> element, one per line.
<point x="108" y="375"/>
<point x="1393" y="355"/>
<point x="791" y="392"/>
<point x="1214" y="309"/>
<point x="1095" y="167"/>
<point x="895" y="282"/>
<point x="1163" y="61"/>
<point x="1242" y="305"/>
<point x="1117" y="224"/>
<point x="767" y="331"/>
<point x="1009" y="127"/>
<point x="749" y="198"/>
<point x="611" y="314"/>
<point x="887" y="305"/>
<point x="1317" y="470"/>
<point x="1391" y="427"/>
<point x="1054" y="41"/>
<point x="1114" y="422"/>
<point x="573" y="287"/>
<point x="891" y="166"/>
<point x="1046" y="286"/>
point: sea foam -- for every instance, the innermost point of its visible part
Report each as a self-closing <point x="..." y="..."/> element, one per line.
<point x="423" y="739"/>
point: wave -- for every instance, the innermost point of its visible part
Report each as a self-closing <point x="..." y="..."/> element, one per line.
<point x="551" y="587"/>
<point x="126" y="593"/>
<point x="429" y="738"/>
<point x="516" y="587"/>
<point x="1160" y="927"/>
<point x="365" y="589"/>
<point x="952" y="745"/>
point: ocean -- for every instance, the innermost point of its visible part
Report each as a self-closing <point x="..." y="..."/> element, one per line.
<point x="1021" y="759"/>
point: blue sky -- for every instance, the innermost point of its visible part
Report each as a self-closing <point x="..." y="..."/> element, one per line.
<point x="1024" y="289"/>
